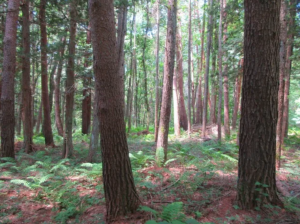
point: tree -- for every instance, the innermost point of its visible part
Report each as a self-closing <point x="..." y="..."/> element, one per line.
<point x="256" y="174"/>
<point x="44" y="70"/>
<point x="165" y="112"/>
<point x="68" y="141"/>
<point x="120" y="193"/>
<point x="26" y="90"/>
<point x="8" y="75"/>
<point x="189" y="68"/>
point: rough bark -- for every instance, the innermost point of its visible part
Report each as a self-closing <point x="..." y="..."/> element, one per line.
<point x="256" y="175"/>
<point x="58" y="121"/>
<point x="176" y="108"/>
<point x="70" y="88"/>
<point x="8" y="75"/>
<point x="237" y="93"/>
<point x="44" y="67"/>
<point x="120" y="194"/>
<point x="26" y="90"/>
<point x="179" y="70"/>
<point x="206" y="77"/>
<point x="165" y="112"/>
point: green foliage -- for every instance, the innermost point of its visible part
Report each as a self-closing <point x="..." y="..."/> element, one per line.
<point x="139" y="159"/>
<point x="160" y="156"/>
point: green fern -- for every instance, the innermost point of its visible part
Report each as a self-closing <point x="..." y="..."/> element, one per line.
<point x="172" y="211"/>
<point x="21" y="182"/>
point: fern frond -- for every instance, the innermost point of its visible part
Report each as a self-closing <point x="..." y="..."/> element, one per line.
<point x="21" y="182"/>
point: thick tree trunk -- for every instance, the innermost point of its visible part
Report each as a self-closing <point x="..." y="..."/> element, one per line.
<point x="120" y="193"/>
<point x="237" y="93"/>
<point x="206" y="97"/>
<point x="157" y="98"/>
<point x="256" y="175"/>
<point x="165" y="112"/>
<point x="282" y="72"/>
<point x="70" y="88"/>
<point x="58" y="121"/>
<point x="44" y="67"/>
<point x="26" y="90"/>
<point x="8" y="75"/>
<point x="179" y="70"/>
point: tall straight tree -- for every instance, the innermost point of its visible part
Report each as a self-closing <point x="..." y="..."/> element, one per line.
<point x="8" y="75"/>
<point x="70" y="89"/>
<point x="189" y="69"/>
<point x="26" y="90"/>
<point x="44" y="70"/>
<point x="165" y="112"/>
<point x="206" y="78"/>
<point x="120" y="194"/>
<point x="256" y="174"/>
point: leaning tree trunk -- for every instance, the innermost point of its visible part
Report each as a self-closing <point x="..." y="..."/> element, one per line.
<point x="8" y="75"/>
<point x="44" y="67"/>
<point x="165" y="112"/>
<point x="26" y="90"/>
<point x="120" y="193"/>
<point x="70" y="89"/>
<point x="256" y="175"/>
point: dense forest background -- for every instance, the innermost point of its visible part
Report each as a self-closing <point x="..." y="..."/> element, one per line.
<point x="161" y="82"/>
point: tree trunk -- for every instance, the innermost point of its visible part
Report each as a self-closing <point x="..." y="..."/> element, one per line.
<point x="256" y="174"/>
<point x="220" y="55"/>
<point x="237" y="93"/>
<point x="44" y="67"/>
<point x="165" y="112"/>
<point x="189" y="69"/>
<point x="26" y="90"/>
<point x="52" y="84"/>
<point x="120" y="194"/>
<point x="282" y="72"/>
<point x="70" y="88"/>
<point x="8" y="75"/>
<point x="179" y="68"/>
<point x="58" y="121"/>
<point x="225" y="75"/>
<point x="176" y="108"/>
<point x="94" y="140"/>
<point x="288" y="65"/>
<point x="157" y="98"/>
<point x="209" y="34"/>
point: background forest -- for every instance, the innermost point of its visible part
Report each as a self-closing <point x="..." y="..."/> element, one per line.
<point x="170" y="99"/>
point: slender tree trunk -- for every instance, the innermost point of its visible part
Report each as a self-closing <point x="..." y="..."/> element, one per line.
<point x="52" y="84"/>
<point x="157" y="98"/>
<point x="94" y="140"/>
<point x="256" y="176"/>
<point x="179" y="68"/>
<point x="288" y="65"/>
<point x="44" y="66"/>
<point x="199" y="104"/>
<point x="58" y="121"/>
<point x="19" y="114"/>
<point x="145" y="70"/>
<point x="237" y="93"/>
<point x="189" y="69"/>
<point x="209" y="34"/>
<point x="225" y="75"/>
<point x="176" y="108"/>
<point x="39" y="119"/>
<point x="220" y="56"/>
<point x="26" y="90"/>
<point x="120" y="193"/>
<point x="282" y="72"/>
<point x="8" y="75"/>
<point x="162" y="141"/>
<point x="70" y="88"/>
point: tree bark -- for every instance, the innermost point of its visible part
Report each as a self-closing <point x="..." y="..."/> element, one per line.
<point x="44" y="67"/>
<point x="52" y="84"/>
<point x="26" y="90"/>
<point x="176" y="108"/>
<point x="120" y="194"/>
<point x="256" y="175"/>
<point x="189" y="69"/>
<point x="209" y="34"/>
<point x="58" y="121"/>
<point x="8" y="75"/>
<point x="237" y="93"/>
<point x="70" y="88"/>
<point x="179" y="70"/>
<point x="165" y="112"/>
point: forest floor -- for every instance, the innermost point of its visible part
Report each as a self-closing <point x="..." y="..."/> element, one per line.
<point x="196" y="185"/>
